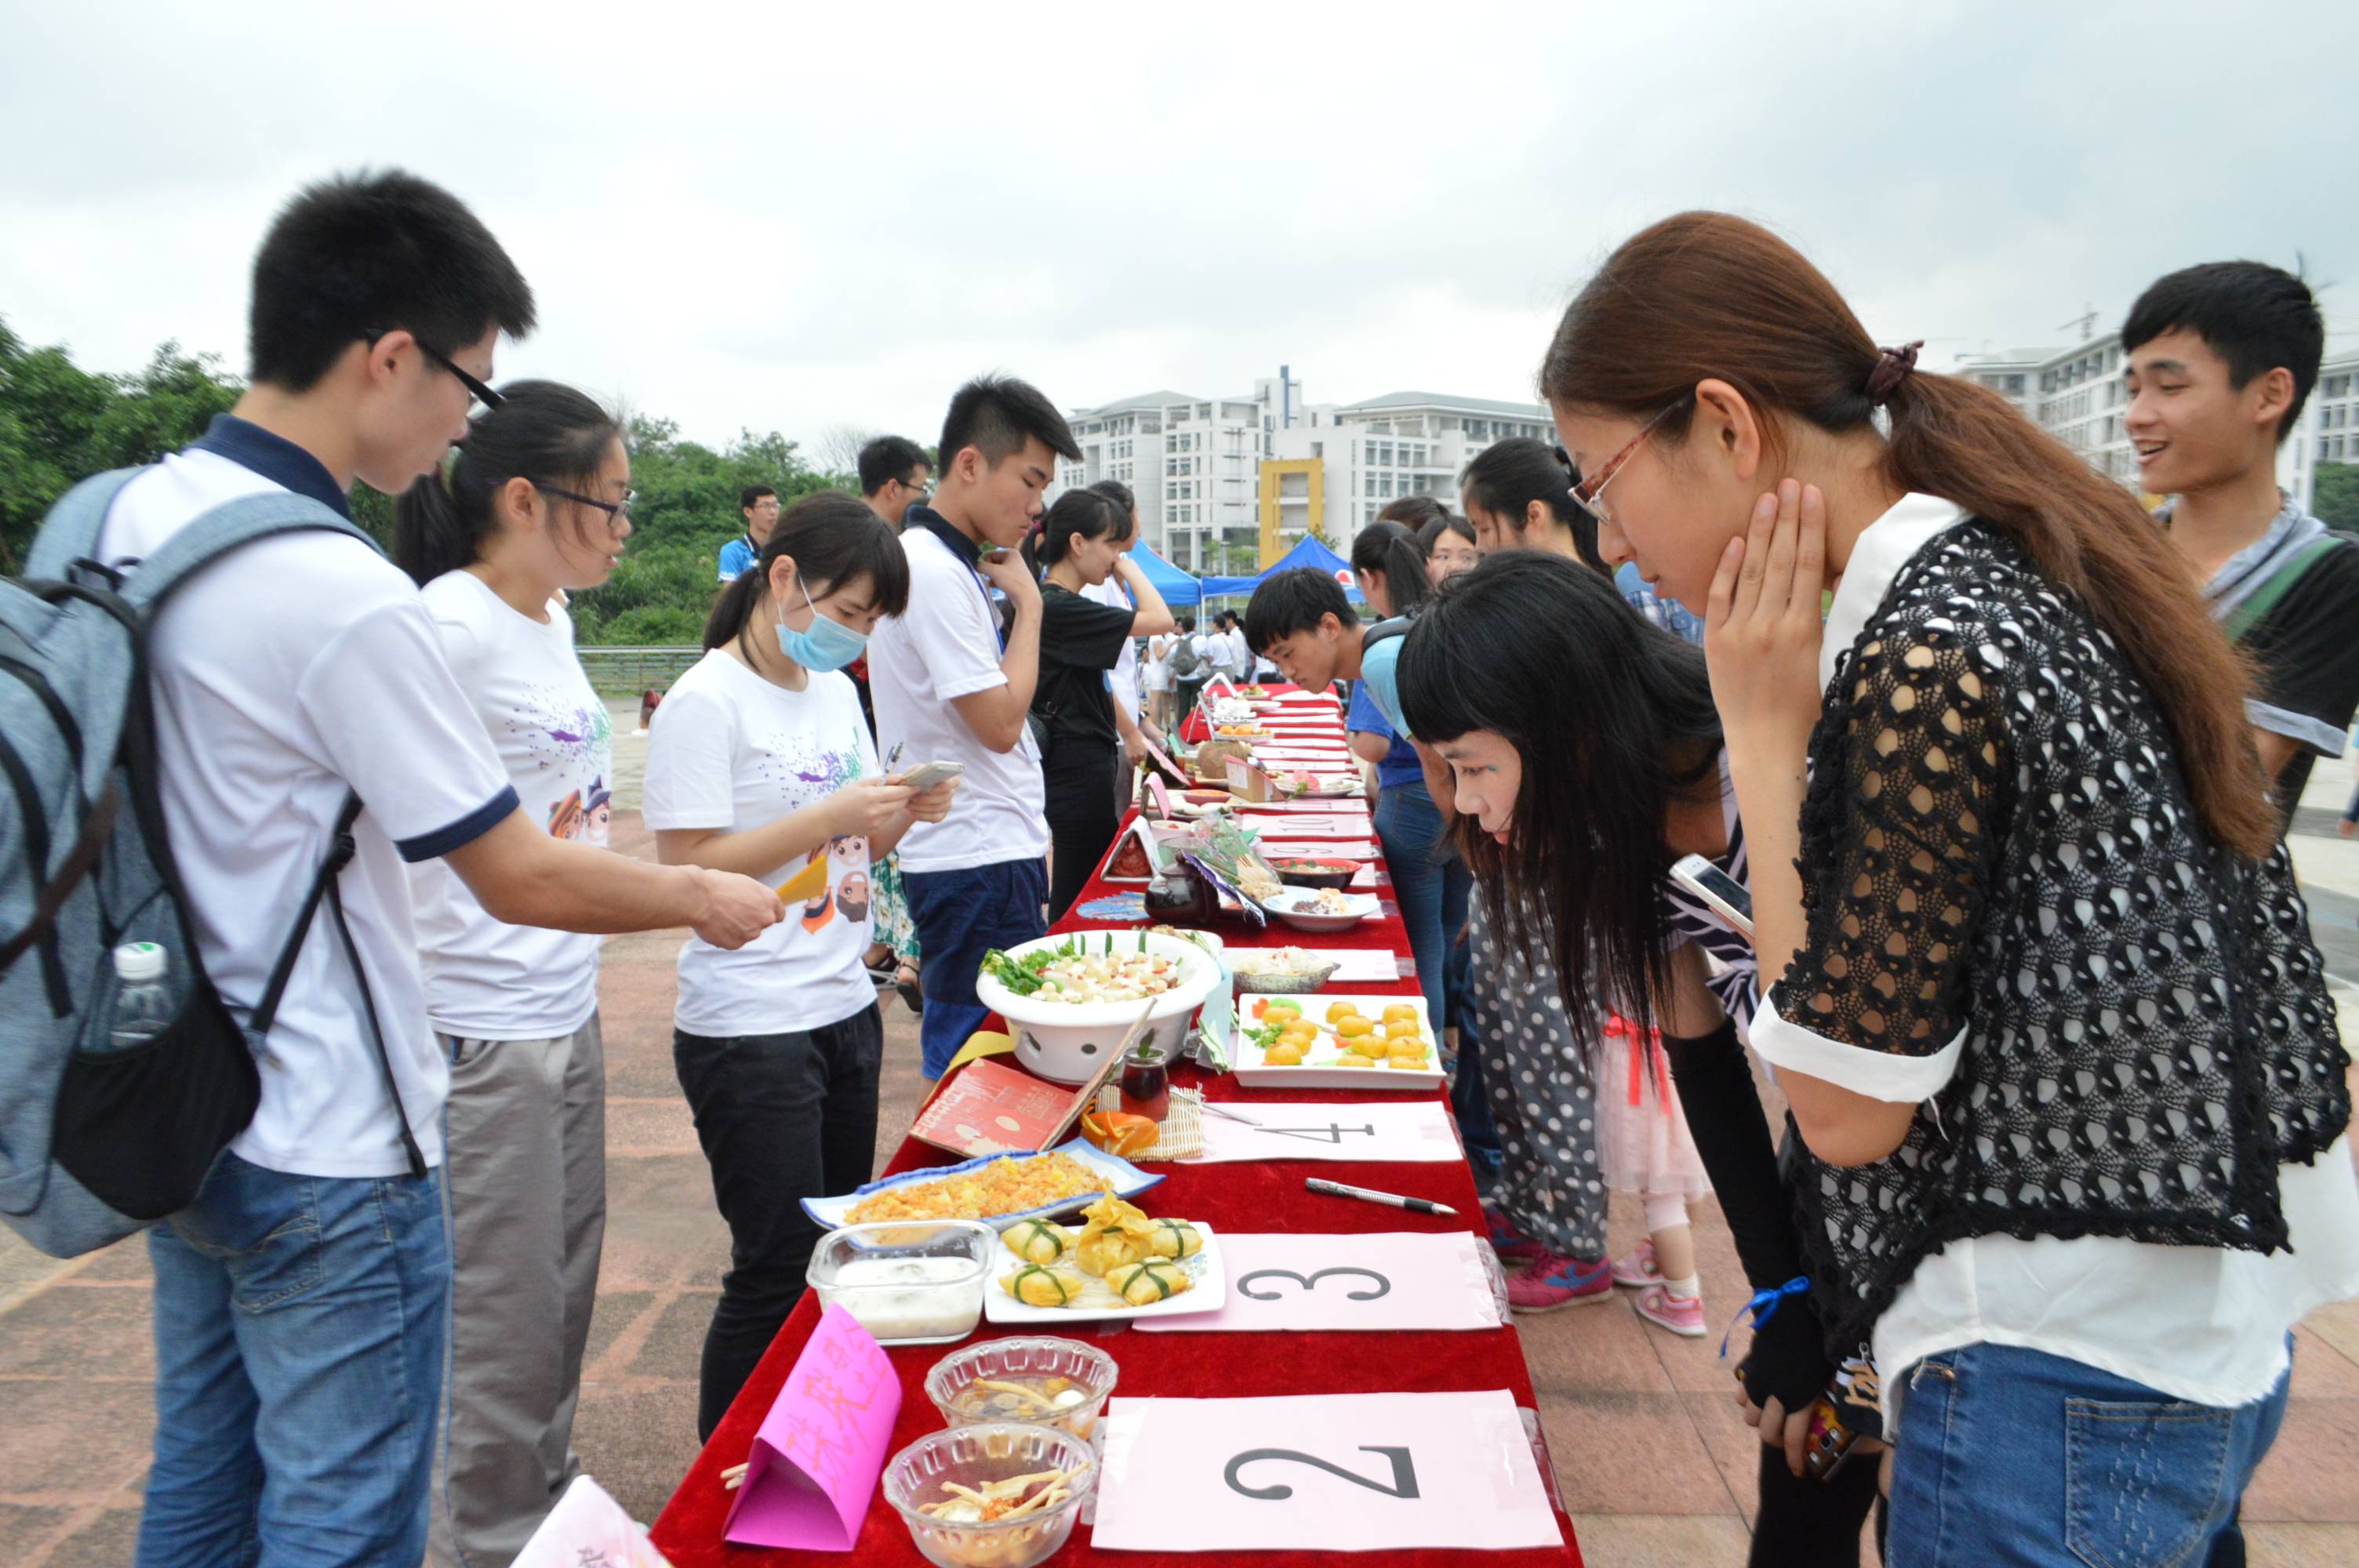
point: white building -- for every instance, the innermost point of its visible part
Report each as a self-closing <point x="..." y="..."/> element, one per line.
<point x="2079" y="396"/>
<point x="1224" y="483"/>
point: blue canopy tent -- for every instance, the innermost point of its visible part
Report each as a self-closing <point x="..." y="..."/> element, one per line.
<point x="1175" y="585"/>
<point x="1308" y="551"/>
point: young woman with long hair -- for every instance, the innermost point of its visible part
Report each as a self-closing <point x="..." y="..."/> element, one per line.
<point x="1083" y="539"/>
<point x="759" y="762"/>
<point x="1449" y="547"/>
<point x="2046" y="1011"/>
<point x="1571" y="813"/>
<point x="533" y="507"/>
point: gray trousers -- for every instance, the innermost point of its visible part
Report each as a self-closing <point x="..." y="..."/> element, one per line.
<point x="525" y="1168"/>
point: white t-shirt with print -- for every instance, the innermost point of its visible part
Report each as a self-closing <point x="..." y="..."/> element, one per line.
<point x="946" y="645"/>
<point x="730" y="750"/>
<point x="286" y="674"/>
<point x="486" y="980"/>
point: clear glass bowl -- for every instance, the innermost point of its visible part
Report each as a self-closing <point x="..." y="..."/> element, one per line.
<point x="1088" y="1369"/>
<point x="907" y="1281"/>
<point x="973" y="1456"/>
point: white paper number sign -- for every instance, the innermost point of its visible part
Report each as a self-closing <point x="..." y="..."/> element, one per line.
<point x="1418" y="1132"/>
<point x="1331" y="1472"/>
<point x="1389" y="1279"/>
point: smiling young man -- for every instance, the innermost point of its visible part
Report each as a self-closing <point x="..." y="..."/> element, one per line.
<point x="300" y="1302"/>
<point x="2221" y="358"/>
<point x="953" y="682"/>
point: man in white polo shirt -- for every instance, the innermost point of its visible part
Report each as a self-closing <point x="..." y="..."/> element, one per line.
<point x="299" y="1301"/>
<point x="952" y="679"/>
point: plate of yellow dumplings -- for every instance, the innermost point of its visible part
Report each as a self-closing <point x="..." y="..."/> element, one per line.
<point x="1119" y="1262"/>
<point x="1324" y="1041"/>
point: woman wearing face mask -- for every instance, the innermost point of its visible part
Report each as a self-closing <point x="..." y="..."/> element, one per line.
<point x="1084" y="539"/>
<point x="1578" y="809"/>
<point x="2046" y="1011"/>
<point x="759" y="763"/>
<point x="535" y="506"/>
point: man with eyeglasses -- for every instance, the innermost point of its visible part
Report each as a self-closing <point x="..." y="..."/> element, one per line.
<point x="894" y="476"/>
<point x="758" y="505"/>
<point x="300" y="1299"/>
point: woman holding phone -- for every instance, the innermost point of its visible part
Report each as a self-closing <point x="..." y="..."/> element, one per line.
<point x="2046" y="1009"/>
<point x="1084" y="538"/>
<point x="759" y="762"/>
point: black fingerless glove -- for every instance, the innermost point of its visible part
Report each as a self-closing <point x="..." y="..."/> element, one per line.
<point x="1788" y="1357"/>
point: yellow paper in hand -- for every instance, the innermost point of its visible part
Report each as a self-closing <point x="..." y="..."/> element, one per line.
<point x="806" y="884"/>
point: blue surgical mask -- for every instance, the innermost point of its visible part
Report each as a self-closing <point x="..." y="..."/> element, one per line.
<point x="825" y="644"/>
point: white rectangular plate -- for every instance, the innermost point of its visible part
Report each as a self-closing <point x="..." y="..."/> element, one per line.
<point x="1254" y="1074"/>
<point x="1210" y="1293"/>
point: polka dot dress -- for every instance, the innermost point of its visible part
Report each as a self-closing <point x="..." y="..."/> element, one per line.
<point x="1541" y="1078"/>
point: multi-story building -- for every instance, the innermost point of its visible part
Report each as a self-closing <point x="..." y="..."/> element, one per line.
<point x="2078" y="395"/>
<point x="1224" y="483"/>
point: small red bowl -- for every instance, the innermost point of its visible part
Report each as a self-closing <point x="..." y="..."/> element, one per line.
<point x="1307" y="873"/>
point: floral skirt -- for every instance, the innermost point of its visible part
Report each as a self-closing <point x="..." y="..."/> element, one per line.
<point x="894" y="927"/>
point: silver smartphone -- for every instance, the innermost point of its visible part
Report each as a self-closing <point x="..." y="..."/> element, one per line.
<point x="926" y="775"/>
<point x="1723" y="893"/>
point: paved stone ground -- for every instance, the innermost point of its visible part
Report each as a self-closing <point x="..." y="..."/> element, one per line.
<point x="1653" y="1461"/>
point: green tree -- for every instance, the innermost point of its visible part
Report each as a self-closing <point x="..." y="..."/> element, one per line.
<point x="2334" y="496"/>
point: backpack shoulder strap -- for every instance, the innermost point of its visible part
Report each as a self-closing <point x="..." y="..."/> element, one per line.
<point x="225" y="528"/>
<point x="70" y="532"/>
<point x="2264" y="599"/>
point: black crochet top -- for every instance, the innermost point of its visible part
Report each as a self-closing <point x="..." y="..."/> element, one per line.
<point x="1998" y="842"/>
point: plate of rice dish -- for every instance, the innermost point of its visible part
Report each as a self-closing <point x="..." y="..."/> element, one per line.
<point x="998" y="1189"/>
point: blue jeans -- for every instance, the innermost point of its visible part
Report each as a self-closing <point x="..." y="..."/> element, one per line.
<point x="959" y="916"/>
<point x="2016" y="1457"/>
<point x="298" y="1358"/>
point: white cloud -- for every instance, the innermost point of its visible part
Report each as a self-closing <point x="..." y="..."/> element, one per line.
<point x="754" y="216"/>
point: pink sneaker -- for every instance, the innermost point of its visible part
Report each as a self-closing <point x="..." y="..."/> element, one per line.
<point x="1683" y="1315"/>
<point x="1508" y="1241"/>
<point x="1640" y="1268"/>
<point x="1552" y="1281"/>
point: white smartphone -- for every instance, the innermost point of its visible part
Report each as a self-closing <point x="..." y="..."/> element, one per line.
<point x="1723" y="894"/>
<point x="926" y="775"/>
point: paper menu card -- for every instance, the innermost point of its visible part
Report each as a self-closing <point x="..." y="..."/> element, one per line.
<point x="1418" y="1132"/>
<point x="1321" y="1472"/>
<point x="1385" y="1280"/>
<point x="817" y="1458"/>
<point x="990" y="1107"/>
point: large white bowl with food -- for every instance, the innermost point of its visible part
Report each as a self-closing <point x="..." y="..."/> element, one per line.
<point x="1067" y="1042"/>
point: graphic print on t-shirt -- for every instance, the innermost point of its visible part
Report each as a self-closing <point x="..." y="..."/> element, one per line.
<point x="827" y="772"/>
<point x="584" y="816"/>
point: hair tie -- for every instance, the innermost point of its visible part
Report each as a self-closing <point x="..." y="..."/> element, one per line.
<point x="1891" y="366"/>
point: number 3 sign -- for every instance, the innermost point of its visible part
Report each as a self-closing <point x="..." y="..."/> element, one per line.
<point x="1338" y="1473"/>
<point x="1388" y="1280"/>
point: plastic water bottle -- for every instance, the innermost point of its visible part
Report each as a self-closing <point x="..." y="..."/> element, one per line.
<point x="143" y="1003"/>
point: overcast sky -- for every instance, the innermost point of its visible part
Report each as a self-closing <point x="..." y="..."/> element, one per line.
<point x="755" y="215"/>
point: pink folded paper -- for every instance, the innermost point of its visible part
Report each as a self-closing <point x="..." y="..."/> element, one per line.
<point x="817" y="1459"/>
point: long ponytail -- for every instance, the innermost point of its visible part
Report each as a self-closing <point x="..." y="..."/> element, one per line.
<point x="1390" y="547"/>
<point x="1707" y="295"/>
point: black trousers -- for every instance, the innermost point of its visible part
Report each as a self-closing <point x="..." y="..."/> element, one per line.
<point x="1809" y="1523"/>
<point x="782" y="1118"/>
<point x="1077" y="786"/>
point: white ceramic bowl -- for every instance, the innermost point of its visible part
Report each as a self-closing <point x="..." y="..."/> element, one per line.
<point x="1067" y="1043"/>
<point x="1291" y="906"/>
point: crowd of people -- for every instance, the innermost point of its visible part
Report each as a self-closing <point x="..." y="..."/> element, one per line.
<point x="2003" y="761"/>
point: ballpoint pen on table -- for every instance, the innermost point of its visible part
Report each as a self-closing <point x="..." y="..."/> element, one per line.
<point x="1368" y="1195"/>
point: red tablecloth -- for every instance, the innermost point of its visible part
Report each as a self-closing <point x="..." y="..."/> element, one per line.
<point x="1195" y="730"/>
<point x="1242" y="1196"/>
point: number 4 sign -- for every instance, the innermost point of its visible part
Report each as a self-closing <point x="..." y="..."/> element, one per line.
<point x="1334" y="1472"/>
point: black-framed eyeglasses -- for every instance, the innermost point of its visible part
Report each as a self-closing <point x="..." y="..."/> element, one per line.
<point x="917" y="486"/>
<point x="615" y="511"/>
<point x="475" y="389"/>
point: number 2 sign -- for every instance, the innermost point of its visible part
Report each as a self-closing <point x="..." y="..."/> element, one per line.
<point x="1336" y="1472"/>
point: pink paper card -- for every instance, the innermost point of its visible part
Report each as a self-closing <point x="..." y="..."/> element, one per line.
<point x="1418" y="1132"/>
<point x="1343" y="806"/>
<point x="1177" y="771"/>
<point x="1390" y="1279"/>
<point x="1346" y="851"/>
<point x="1321" y="1472"/>
<point x="817" y="1459"/>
